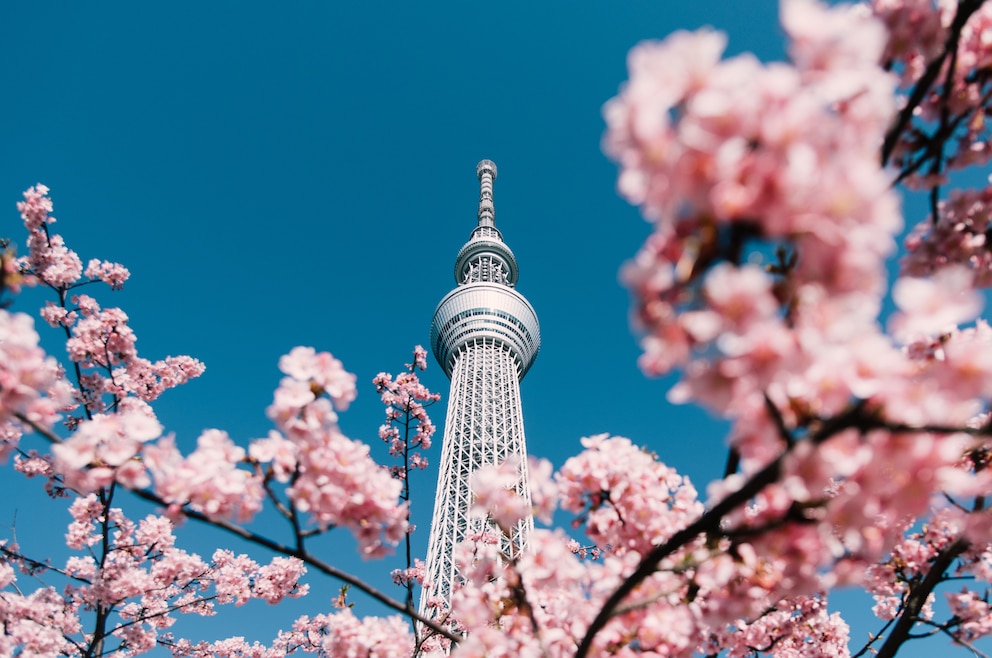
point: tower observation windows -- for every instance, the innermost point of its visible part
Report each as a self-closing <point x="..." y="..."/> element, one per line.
<point x="489" y="311"/>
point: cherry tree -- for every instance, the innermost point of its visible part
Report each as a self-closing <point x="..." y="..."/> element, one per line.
<point x="858" y="447"/>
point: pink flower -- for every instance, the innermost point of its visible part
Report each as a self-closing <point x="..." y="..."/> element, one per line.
<point x="26" y="373"/>
<point x="113" y="274"/>
<point x="304" y="364"/>
<point x="843" y="38"/>
<point x="935" y="305"/>
<point x="543" y="490"/>
<point x="48" y="258"/>
<point x="208" y="480"/>
<point x="102" y="450"/>
<point x="279" y="452"/>
<point x="629" y="501"/>
<point x="496" y="496"/>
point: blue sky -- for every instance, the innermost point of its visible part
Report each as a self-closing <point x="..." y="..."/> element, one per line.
<point x="305" y="174"/>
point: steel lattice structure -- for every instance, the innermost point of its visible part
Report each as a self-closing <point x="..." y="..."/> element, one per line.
<point x="485" y="335"/>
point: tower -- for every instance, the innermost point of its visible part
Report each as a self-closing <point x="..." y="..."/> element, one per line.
<point x="485" y="335"/>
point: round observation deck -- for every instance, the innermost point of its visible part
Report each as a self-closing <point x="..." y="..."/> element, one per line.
<point x="486" y="312"/>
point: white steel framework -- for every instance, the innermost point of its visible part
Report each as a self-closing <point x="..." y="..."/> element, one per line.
<point x="485" y="335"/>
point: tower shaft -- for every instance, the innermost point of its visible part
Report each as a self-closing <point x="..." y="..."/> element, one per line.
<point x="484" y="427"/>
<point x="486" y="336"/>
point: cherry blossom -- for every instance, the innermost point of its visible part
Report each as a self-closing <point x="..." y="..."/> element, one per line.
<point x="618" y="491"/>
<point x="26" y="373"/>
<point x="323" y="371"/>
<point x="940" y="49"/>
<point x="104" y="449"/>
<point x="135" y="590"/>
<point x="495" y="496"/>
<point x="335" y="482"/>
<point x="208" y="479"/>
<point x="113" y="274"/>
<point x="956" y="236"/>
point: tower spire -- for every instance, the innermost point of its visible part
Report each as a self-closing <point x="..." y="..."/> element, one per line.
<point x="485" y="257"/>
<point x="486" y="171"/>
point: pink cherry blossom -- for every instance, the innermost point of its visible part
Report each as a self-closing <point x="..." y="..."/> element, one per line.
<point x="935" y="305"/>
<point x="495" y="495"/>
<point x="48" y="258"/>
<point x="306" y="365"/>
<point x="26" y="373"/>
<point x="208" y="480"/>
<point x="105" y="449"/>
<point x="628" y="500"/>
<point x="957" y="236"/>
<point x="113" y="274"/>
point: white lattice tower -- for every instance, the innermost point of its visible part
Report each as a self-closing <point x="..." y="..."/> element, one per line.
<point x="486" y="336"/>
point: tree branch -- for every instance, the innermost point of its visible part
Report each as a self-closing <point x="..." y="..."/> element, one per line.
<point x="710" y="521"/>
<point x="965" y="9"/>
<point x="917" y="598"/>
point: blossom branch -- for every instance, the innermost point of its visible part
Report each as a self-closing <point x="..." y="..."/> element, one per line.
<point x="917" y="598"/>
<point x="964" y="11"/>
<point x="710" y="523"/>
<point x="260" y="540"/>
<point x="307" y="558"/>
<point x="946" y="629"/>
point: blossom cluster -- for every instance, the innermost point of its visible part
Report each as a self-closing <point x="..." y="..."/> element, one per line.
<point x="48" y="259"/>
<point x="765" y="276"/>
<point x="626" y="499"/>
<point x="26" y="375"/>
<point x="100" y="344"/>
<point x="334" y="480"/>
<point x="407" y="429"/>
<point x="958" y="235"/>
<point x="139" y="578"/>
<point x="208" y="480"/>
<point x="895" y="581"/>
<point x="495" y="495"/>
<point x="103" y="345"/>
<point x="943" y="49"/>
<point x="336" y="635"/>
<point x="142" y="582"/>
<point x="943" y="45"/>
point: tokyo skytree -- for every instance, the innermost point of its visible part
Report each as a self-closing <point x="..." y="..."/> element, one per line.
<point x="486" y="336"/>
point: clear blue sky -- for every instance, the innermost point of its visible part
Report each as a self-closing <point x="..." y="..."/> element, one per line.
<point x="305" y="174"/>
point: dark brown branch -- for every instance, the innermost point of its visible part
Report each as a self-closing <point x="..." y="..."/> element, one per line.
<point x="709" y="522"/>
<point x="776" y="417"/>
<point x="946" y="630"/>
<point x="917" y="598"/>
<point x="965" y="9"/>
<point x="733" y="462"/>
